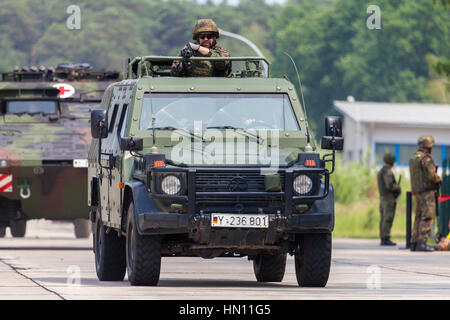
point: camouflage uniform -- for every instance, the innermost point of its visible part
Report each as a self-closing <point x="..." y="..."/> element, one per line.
<point x="205" y="68"/>
<point x="389" y="190"/>
<point x="424" y="183"/>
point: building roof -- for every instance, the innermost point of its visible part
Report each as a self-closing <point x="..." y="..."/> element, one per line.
<point x="403" y="114"/>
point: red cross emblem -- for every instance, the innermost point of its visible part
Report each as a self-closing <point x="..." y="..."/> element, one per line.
<point x="62" y="90"/>
<point x="65" y="90"/>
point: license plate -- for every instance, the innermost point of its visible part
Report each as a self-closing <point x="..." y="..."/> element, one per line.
<point x="239" y="220"/>
<point x="80" y="163"/>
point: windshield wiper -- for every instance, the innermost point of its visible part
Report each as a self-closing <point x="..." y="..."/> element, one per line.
<point x="184" y="130"/>
<point x="241" y="129"/>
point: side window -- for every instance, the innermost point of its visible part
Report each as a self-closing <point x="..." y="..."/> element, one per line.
<point x="122" y="120"/>
<point x="112" y="118"/>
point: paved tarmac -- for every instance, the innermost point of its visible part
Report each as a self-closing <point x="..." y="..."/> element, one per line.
<point x="50" y="263"/>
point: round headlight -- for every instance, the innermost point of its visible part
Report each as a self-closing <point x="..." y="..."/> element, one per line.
<point x="3" y="164"/>
<point x="302" y="184"/>
<point x="171" y="185"/>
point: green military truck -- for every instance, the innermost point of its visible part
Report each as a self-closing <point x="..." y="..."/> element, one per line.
<point x="209" y="167"/>
<point x="45" y="137"/>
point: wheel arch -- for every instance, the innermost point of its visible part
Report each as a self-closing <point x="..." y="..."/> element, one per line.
<point x="137" y="193"/>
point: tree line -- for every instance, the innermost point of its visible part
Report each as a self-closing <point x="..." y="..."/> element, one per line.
<point x="336" y="53"/>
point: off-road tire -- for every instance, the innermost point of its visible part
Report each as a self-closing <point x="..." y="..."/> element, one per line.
<point x="109" y="250"/>
<point x="2" y="232"/>
<point x="143" y="254"/>
<point x="82" y="228"/>
<point x="313" y="260"/>
<point x="18" y="228"/>
<point x="269" y="267"/>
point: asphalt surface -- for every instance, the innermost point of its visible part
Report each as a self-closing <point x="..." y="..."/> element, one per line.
<point x="50" y="263"/>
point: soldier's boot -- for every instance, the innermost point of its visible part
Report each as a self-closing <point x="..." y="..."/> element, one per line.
<point x="387" y="242"/>
<point x="413" y="246"/>
<point x="423" y="247"/>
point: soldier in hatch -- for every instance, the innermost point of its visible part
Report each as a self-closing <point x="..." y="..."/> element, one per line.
<point x="425" y="184"/>
<point x="205" y="33"/>
<point x="389" y="191"/>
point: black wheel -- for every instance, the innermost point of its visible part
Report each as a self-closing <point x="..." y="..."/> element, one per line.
<point x="143" y="255"/>
<point x="82" y="228"/>
<point x="269" y="268"/>
<point x="2" y="232"/>
<point x="18" y="228"/>
<point x="109" y="249"/>
<point x="313" y="260"/>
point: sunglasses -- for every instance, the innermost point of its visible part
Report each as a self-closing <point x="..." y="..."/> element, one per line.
<point x="206" y="36"/>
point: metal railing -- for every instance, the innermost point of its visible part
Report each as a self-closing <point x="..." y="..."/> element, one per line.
<point x="143" y="66"/>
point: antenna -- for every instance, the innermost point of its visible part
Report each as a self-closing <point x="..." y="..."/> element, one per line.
<point x="250" y="44"/>
<point x="303" y="101"/>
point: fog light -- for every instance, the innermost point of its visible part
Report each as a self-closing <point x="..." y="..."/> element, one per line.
<point x="303" y="184"/>
<point x="171" y="185"/>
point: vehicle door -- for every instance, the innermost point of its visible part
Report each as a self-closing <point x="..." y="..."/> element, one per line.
<point x="116" y="185"/>
<point x="106" y="161"/>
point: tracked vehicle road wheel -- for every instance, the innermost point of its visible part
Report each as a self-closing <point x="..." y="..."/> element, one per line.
<point x="313" y="260"/>
<point x="269" y="268"/>
<point x="143" y="255"/>
<point x="82" y="228"/>
<point x="109" y="250"/>
<point x="18" y="228"/>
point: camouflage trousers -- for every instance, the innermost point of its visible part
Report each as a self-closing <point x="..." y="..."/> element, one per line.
<point x="425" y="212"/>
<point x="387" y="213"/>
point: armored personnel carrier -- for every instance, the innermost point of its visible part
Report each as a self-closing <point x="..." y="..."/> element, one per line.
<point x="209" y="167"/>
<point x="45" y="136"/>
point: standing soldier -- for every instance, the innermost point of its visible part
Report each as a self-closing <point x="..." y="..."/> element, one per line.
<point x="425" y="184"/>
<point x="389" y="191"/>
<point x="205" y="34"/>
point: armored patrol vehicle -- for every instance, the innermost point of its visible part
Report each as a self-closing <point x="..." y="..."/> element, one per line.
<point x="209" y="167"/>
<point x="45" y="137"/>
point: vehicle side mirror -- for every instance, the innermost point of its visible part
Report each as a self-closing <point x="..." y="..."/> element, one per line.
<point x="99" y="124"/>
<point x="333" y="134"/>
<point x="131" y="144"/>
<point x="333" y="126"/>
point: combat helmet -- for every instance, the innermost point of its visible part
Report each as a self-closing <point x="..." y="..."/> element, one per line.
<point x="426" y="142"/>
<point x="205" y="25"/>
<point x="389" y="158"/>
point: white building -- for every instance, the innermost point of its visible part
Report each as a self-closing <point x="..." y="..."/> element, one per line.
<point x="374" y="128"/>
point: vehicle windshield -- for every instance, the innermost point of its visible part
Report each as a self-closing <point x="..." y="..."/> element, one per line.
<point x="31" y="107"/>
<point x="209" y="110"/>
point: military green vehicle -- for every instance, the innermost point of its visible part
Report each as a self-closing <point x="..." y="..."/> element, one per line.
<point x="209" y="167"/>
<point x="45" y="137"/>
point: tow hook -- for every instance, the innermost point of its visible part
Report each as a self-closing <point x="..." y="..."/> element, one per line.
<point x="22" y="188"/>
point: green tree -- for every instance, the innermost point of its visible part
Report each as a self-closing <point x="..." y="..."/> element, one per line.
<point x="339" y="56"/>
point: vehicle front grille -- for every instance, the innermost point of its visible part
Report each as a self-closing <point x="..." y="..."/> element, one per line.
<point x="225" y="182"/>
<point x="228" y="182"/>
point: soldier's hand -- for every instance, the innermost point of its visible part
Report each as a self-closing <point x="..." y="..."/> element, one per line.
<point x="193" y="46"/>
<point x="180" y="66"/>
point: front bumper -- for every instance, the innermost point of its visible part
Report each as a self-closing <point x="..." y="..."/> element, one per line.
<point x="173" y="223"/>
